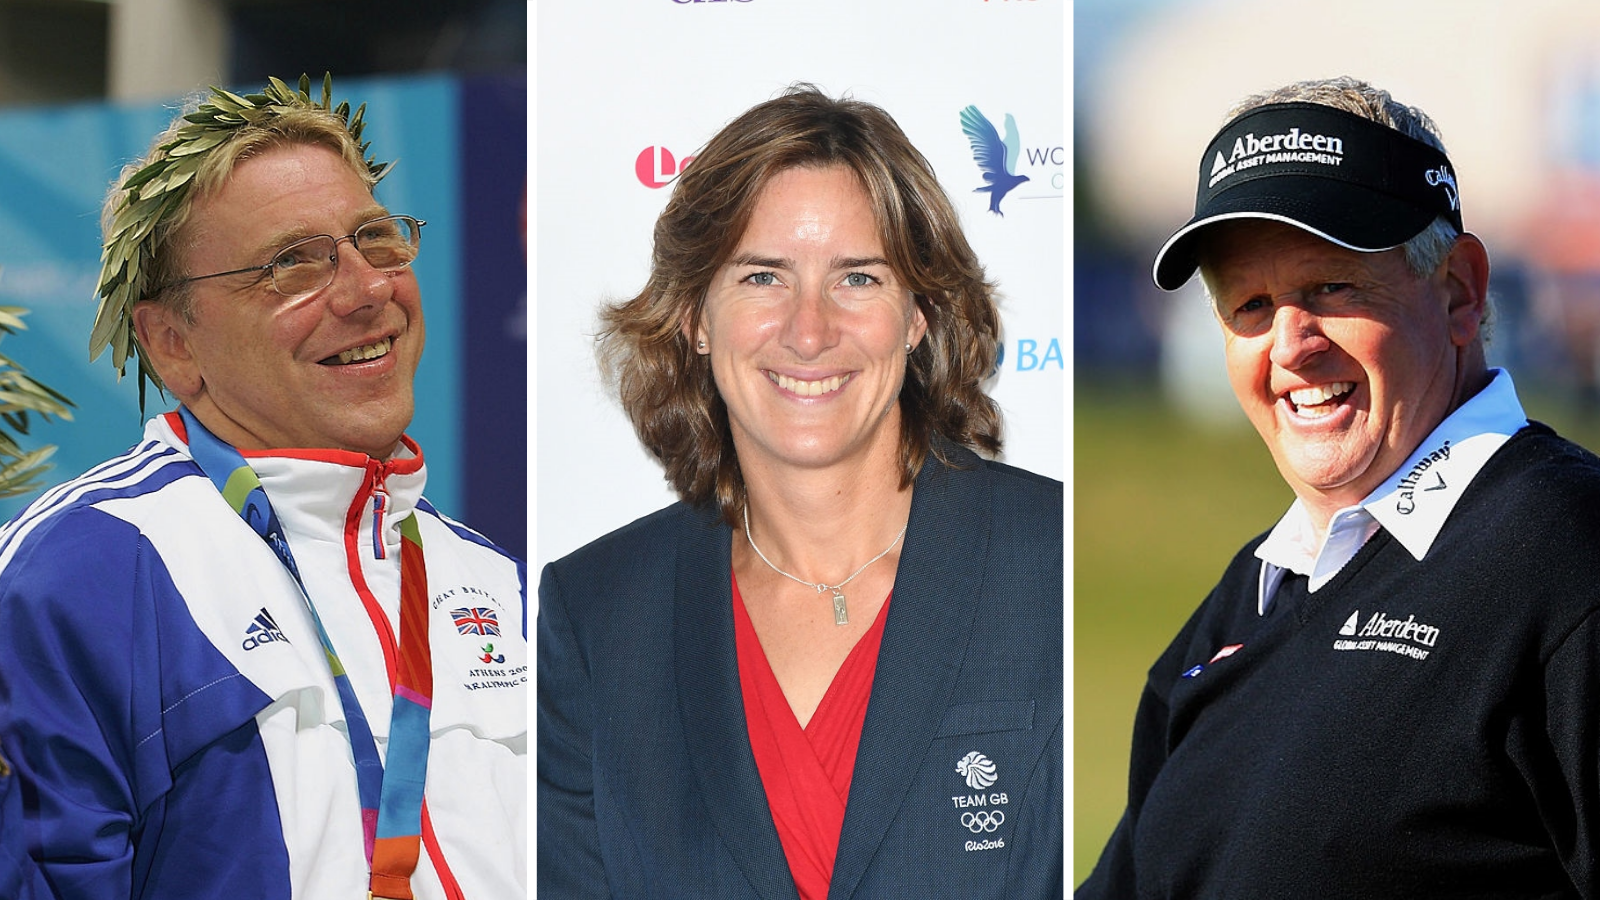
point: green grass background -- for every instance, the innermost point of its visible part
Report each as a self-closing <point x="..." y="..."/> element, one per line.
<point x="1159" y="508"/>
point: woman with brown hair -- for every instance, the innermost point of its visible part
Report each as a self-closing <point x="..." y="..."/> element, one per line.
<point x="837" y="661"/>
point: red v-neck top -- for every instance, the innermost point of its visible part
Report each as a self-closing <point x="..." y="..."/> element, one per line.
<point x="806" y="772"/>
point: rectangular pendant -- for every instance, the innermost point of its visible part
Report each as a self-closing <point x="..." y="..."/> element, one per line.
<point x="840" y="616"/>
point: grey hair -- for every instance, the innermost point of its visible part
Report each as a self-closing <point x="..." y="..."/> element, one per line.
<point x="1353" y="96"/>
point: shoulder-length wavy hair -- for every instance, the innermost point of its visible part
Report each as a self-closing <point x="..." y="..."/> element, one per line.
<point x="644" y="344"/>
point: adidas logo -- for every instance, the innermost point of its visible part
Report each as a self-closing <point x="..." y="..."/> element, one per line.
<point x="264" y="630"/>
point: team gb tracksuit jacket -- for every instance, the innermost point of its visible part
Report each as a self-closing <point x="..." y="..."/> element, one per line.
<point x="170" y="711"/>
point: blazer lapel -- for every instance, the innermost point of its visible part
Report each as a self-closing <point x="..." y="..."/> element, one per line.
<point x="936" y="592"/>
<point x="712" y="707"/>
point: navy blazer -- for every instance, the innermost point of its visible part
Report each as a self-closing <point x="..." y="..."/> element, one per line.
<point x="647" y="784"/>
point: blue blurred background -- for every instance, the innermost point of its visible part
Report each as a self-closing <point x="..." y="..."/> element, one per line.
<point x="1514" y="89"/>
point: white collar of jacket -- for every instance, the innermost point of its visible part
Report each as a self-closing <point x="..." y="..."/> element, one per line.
<point x="326" y="493"/>
<point x="1412" y="504"/>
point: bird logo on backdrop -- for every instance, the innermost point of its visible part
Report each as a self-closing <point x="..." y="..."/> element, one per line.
<point x="997" y="158"/>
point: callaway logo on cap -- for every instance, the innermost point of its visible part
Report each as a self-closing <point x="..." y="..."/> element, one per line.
<point x="1345" y="178"/>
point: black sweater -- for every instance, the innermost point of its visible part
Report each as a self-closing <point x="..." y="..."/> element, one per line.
<point x="1414" y="729"/>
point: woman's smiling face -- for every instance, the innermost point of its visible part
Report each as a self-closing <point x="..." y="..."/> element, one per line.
<point x="806" y="327"/>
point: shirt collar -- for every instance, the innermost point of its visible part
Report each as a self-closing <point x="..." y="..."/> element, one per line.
<point x="1412" y="504"/>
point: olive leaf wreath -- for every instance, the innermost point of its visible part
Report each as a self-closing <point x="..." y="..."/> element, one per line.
<point x="154" y="192"/>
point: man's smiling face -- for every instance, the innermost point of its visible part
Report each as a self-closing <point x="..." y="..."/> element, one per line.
<point x="329" y="369"/>
<point x="1343" y="361"/>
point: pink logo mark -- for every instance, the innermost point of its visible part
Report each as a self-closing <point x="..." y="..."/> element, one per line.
<point x="656" y="168"/>
<point x="1226" y="652"/>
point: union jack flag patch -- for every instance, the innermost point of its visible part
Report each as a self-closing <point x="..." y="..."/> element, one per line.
<point x="476" y="620"/>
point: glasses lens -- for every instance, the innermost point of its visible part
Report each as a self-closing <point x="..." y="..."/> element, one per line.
<point x="389" y="243"/>
<point x="304" y="266"/>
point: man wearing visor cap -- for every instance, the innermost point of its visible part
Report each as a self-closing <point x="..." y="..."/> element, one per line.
<point x="1389" y="693"/>
<point x="247" y="659"/>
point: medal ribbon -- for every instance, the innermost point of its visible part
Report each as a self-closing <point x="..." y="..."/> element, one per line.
<point x="391" y="802"/>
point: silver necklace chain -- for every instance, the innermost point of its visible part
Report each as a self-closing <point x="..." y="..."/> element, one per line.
<point x="840" y="615"/>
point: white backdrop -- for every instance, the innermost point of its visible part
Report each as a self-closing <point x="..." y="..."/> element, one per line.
<point x="622" y="87"/>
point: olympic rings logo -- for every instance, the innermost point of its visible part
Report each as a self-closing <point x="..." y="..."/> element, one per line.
<point x="983" y="820"/>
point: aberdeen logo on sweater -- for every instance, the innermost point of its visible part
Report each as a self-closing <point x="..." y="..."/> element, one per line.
<point x="1407" y="636"/>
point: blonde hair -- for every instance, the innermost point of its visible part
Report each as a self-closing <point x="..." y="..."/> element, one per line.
<point x="142" y="220"/>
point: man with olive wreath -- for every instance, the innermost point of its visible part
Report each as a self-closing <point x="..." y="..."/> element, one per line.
<point x="835" y="668"/>
<point x="247" y="659"/>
